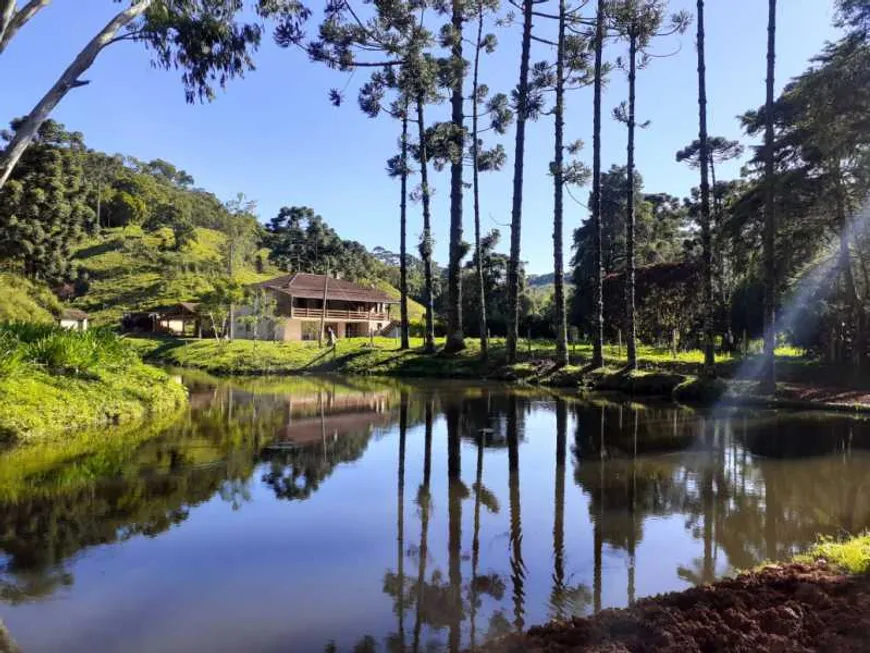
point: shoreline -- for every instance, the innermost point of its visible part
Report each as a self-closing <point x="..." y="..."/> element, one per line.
<point x="818" y="601"/>
<point x="668" y="380"/>
<point x="40" y="407"/>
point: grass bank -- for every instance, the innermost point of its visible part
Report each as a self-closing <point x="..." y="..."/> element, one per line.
<point x="53" y="381"/>
<point x="850" y="556"/>
<point x="660" y="373"/>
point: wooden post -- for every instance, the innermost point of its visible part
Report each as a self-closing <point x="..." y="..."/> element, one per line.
<point x="674" y="343"/>
<point x="619" y="343"/>
<point x="323" y="308"/>
<point x="745" y="344"/>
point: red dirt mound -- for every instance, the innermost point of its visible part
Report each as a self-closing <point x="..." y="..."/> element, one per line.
<point x="780" y="609"/>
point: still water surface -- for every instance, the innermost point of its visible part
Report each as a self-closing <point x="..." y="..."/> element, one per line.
<point x="347" y="515"/>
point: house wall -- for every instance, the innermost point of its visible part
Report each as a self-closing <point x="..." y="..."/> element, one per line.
<point x="175" y="326"/>
<point x="75" y="325"/>
<point x="290" y="330"/>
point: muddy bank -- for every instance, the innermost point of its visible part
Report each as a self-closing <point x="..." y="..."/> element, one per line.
<point x="792" y="608"/>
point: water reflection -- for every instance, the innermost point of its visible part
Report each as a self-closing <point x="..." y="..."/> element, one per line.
<point x="662" y="497"/>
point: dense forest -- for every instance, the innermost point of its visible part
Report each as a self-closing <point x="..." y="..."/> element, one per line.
<point x="780" y="251"/>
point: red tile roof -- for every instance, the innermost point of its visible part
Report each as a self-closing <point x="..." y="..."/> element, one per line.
<point x="310" y="286"/>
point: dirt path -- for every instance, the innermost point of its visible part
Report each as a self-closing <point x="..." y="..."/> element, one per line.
<point x="781" y="609"/>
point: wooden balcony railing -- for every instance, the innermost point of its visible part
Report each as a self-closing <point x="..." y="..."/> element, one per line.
<point x="339" y="315"/>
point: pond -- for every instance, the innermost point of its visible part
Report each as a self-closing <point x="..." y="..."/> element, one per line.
<point x="353" y="515"/>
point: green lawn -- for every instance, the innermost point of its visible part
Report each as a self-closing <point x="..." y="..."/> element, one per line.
<point x="382" y="356"/>
<point x="851" y="555"/>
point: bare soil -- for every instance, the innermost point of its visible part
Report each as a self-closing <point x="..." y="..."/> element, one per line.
<point x="783" y="609"/>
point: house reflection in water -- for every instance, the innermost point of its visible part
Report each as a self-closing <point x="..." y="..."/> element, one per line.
<point x="319" y="431"/>
<point x="324" y="417"/>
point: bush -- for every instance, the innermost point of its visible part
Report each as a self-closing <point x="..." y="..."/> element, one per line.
<point x="11" y="356"/>
<point x="59" y="350"/>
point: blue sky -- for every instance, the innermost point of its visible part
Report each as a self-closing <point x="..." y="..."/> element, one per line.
<point x="274" y="136"/>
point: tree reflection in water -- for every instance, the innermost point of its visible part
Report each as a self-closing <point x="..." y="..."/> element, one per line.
<point x="744" y="487"/>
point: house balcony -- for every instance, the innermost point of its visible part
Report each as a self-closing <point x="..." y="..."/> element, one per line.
<point x="335" y="315"/>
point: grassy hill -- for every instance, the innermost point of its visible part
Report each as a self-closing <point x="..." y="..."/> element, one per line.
<point x="132" y="270"/>
<point x="416" y="311"/>
<point x="25" y="301"/>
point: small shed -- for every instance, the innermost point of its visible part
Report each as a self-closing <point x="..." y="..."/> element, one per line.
<point x="73" y="318"/>
<point x="182" y="319"/>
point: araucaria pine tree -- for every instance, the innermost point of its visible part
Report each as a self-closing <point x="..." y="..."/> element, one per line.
<point x="481" y="160"/>
<point x="768" y="373"/>
<point x="457" y="67"/>
<point x="704" y="163"/>
<point x="639" y="21"/>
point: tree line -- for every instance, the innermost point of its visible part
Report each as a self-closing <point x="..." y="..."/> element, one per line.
<point x="728" y="247"/>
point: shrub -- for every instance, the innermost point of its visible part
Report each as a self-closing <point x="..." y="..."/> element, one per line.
<point x="61" y="351"/>
<point x="11" y="356"/>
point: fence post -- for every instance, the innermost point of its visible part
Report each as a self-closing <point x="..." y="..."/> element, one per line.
<point x="619" y="343"/>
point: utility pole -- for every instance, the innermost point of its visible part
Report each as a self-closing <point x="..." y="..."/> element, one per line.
<point x="323" y="311"/>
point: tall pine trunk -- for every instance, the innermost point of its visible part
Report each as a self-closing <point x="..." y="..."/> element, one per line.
<point x="424" y="506"/>
<point x="854" y="309"/>
<point x="598" y="292"/>
<point x="400" y="512"/>
<point x="455" y="492"/>
<point x="403" y="235"/>
<point x="561" y="325"/>
<point x="518" y="567"/>
<point x="513" y="332"/>
<point x="455" y="338"/>
<point x="475" y="183"/>
<point x="630" y="324"/>
<point x="706" y="241"/>
<point x="426" y="245"/>
<point x="768" y="374"/>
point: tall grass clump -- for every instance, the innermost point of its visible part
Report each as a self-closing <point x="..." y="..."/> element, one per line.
<point x="60" y="351"/>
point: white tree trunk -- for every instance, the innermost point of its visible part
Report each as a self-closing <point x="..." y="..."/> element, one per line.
<point x="25" y="134"/>
<point x="11" y="20"/>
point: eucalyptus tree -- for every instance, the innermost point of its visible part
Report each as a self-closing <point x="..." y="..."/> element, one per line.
<point x="211" y="41"/>
<point x="640" y="21"/>
<point x="768" y="373"/>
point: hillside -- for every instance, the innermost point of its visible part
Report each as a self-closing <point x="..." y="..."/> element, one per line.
<point x="416" y="311"/>
<point x="130" y="269"/>
<point x="25" y="301"/>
